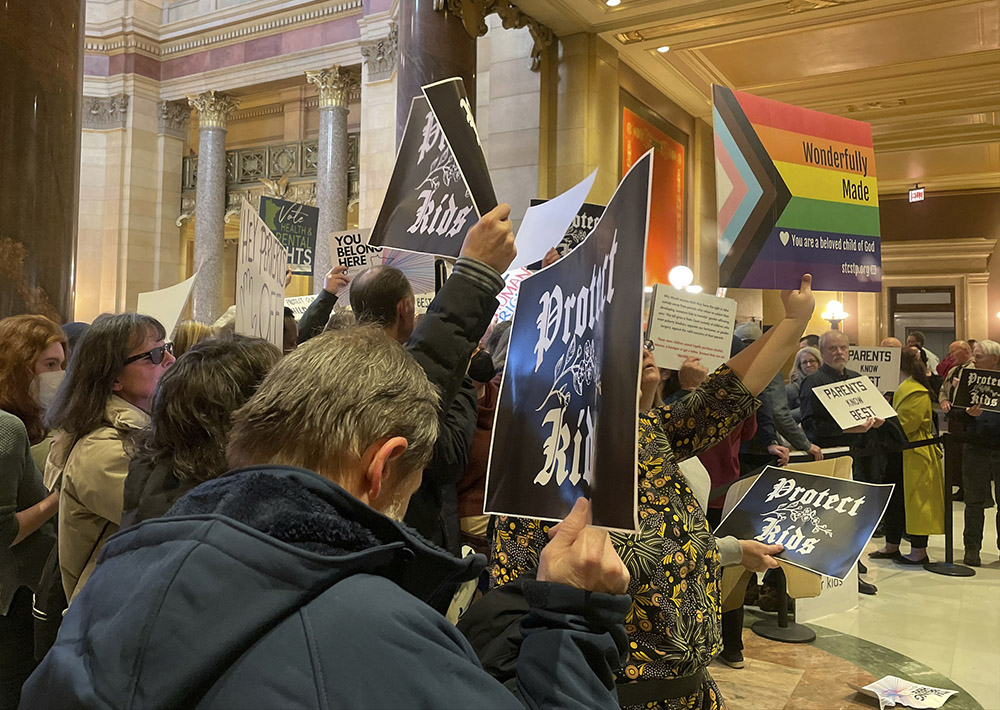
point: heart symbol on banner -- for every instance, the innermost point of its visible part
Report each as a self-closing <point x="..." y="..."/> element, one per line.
<point x="783" y="236"/>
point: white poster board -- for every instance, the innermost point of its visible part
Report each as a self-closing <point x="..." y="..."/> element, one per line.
<point x="351" y="249"/>
<point x="507" y="298"/>
<point x="298" y="305"/>
<point x="260" y="280"/>
<point x="851" y="402"/>
<point x="685" y="324"/>
<point x="166" y="304"/>
<point x="880" y="365"/>
<point x="544" y="225"/>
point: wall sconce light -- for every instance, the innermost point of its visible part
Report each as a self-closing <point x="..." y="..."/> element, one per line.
<point x="835" y="314"/>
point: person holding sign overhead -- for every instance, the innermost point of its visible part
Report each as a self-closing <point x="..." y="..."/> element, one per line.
<point x="674" y="561"/>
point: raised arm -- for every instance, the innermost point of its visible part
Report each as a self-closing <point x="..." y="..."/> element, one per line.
<point x="758" y="363"/>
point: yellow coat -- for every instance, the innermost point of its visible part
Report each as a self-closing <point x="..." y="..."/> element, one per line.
<point x="923" y="473"/>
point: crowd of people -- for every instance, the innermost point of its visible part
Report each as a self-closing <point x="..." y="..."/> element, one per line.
<point x="210" y="521"/>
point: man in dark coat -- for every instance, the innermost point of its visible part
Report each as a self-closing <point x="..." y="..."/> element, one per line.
<point x="289" y="582"/>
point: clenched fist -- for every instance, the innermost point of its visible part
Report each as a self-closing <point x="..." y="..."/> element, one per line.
<point x="582" y="556"/>
<point x="692" y="373"/>
<point x="491" y="239"/>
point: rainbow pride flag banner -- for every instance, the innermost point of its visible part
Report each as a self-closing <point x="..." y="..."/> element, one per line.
<point x="796" y="193"/>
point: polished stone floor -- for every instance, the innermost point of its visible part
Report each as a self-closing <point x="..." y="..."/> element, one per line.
<point x="924" y="627"/>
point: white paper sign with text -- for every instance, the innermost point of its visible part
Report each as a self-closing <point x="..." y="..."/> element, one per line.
<point x="685" y="324"/>
<point x="351" y="249"/>
<point x="880" y="365"/>
<point x="260" y="280"/>
<point x="299" y="304"/>
<point x="166" y="304"/>
<point x="852" y="402"/>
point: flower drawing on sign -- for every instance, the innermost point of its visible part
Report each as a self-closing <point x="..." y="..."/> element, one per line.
<point x="438" y="212"/>
<point x="799" y="513"/>
<point x="577" y="368"/>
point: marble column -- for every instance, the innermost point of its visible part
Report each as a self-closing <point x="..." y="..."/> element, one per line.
<point x="433" y="45"/>
<point x="210" y="211"/>
<point x="335" y="86"/>
<point x="41" y="55"/>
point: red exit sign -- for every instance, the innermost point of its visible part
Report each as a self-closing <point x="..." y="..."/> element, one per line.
<point x="917" y="194"/>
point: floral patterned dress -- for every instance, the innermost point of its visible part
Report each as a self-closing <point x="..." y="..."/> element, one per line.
<point x="674" y="624"/>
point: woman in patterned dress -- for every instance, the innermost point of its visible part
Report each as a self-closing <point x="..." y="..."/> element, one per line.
<point x="674" y="624"/>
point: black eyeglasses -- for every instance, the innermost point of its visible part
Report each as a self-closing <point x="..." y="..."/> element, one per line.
<point x="155" y="355"/>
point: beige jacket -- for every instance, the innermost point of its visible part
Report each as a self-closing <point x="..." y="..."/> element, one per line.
<point x="92" y="487"/>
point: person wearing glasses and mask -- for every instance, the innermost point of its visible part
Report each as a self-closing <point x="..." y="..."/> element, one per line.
<point x="100" y="405"/>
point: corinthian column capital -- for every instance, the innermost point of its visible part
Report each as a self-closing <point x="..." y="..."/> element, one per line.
<point x="213" y="108"/>
<point x="334" y="85"/>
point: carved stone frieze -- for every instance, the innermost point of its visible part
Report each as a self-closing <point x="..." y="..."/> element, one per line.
<point x="473" y="15"/>
<point x="335" y="85"/>
<point x="214" y="108"/>
<point x="174" y="118"/>
<point x="380" y="55"/>
<point x="105" y="112"/>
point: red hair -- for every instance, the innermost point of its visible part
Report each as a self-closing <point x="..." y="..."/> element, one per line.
<point x="22" y="340"/>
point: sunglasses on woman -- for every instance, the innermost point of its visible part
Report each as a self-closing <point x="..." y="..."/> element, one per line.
<point x="155" y="355"/>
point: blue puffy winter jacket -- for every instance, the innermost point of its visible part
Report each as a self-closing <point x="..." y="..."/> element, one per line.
<point x="272" y="587"/>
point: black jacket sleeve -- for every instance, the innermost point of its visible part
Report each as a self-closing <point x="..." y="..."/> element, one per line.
<point x="455" y="321"/>
<point x="442" y="344"/>
<point x="314" y="320"/>
<point x="518" y="628"/>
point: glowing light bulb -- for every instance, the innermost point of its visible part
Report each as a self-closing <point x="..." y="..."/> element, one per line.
<point x="680" y="277"/>
<point x="663" y="50"/>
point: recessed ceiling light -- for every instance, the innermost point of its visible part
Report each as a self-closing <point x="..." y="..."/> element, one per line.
<point x="612" y="3"/>
<point x="663" y="50"/>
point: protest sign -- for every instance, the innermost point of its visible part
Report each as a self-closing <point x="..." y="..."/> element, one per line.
<point x="166" y="304"/>
<point x="851" y="402"/>
<point x="567" y="417"/>
<point x="980" y="387"/>
<point x="585" y="220"/>
<point x="417" y="268"/>
<point x="427" y="207"/>
<point x="880" y="365"/>
<point x="260" y="280"/>
<point x="298" y="305"/>
<point x="796" y="194"/>
<point x="295" y="227"/>
<point x="824" y="523"/>
<point x="543" y="223"/>
<point x="453" y="111"/>
<point x="351" y="248"/>
<point x="683" y="324"/>
<point x="508" y="296"/>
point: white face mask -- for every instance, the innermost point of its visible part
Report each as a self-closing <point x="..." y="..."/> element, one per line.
<point x="48" y="383"/>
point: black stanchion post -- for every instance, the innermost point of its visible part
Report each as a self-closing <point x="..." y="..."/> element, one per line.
<point x="948" y="567"/>
<point x="782" y="629"/>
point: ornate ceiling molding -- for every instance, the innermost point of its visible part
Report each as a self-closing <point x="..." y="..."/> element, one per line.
<point x="132" y="40"/>
<point x="473" y="15"/>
